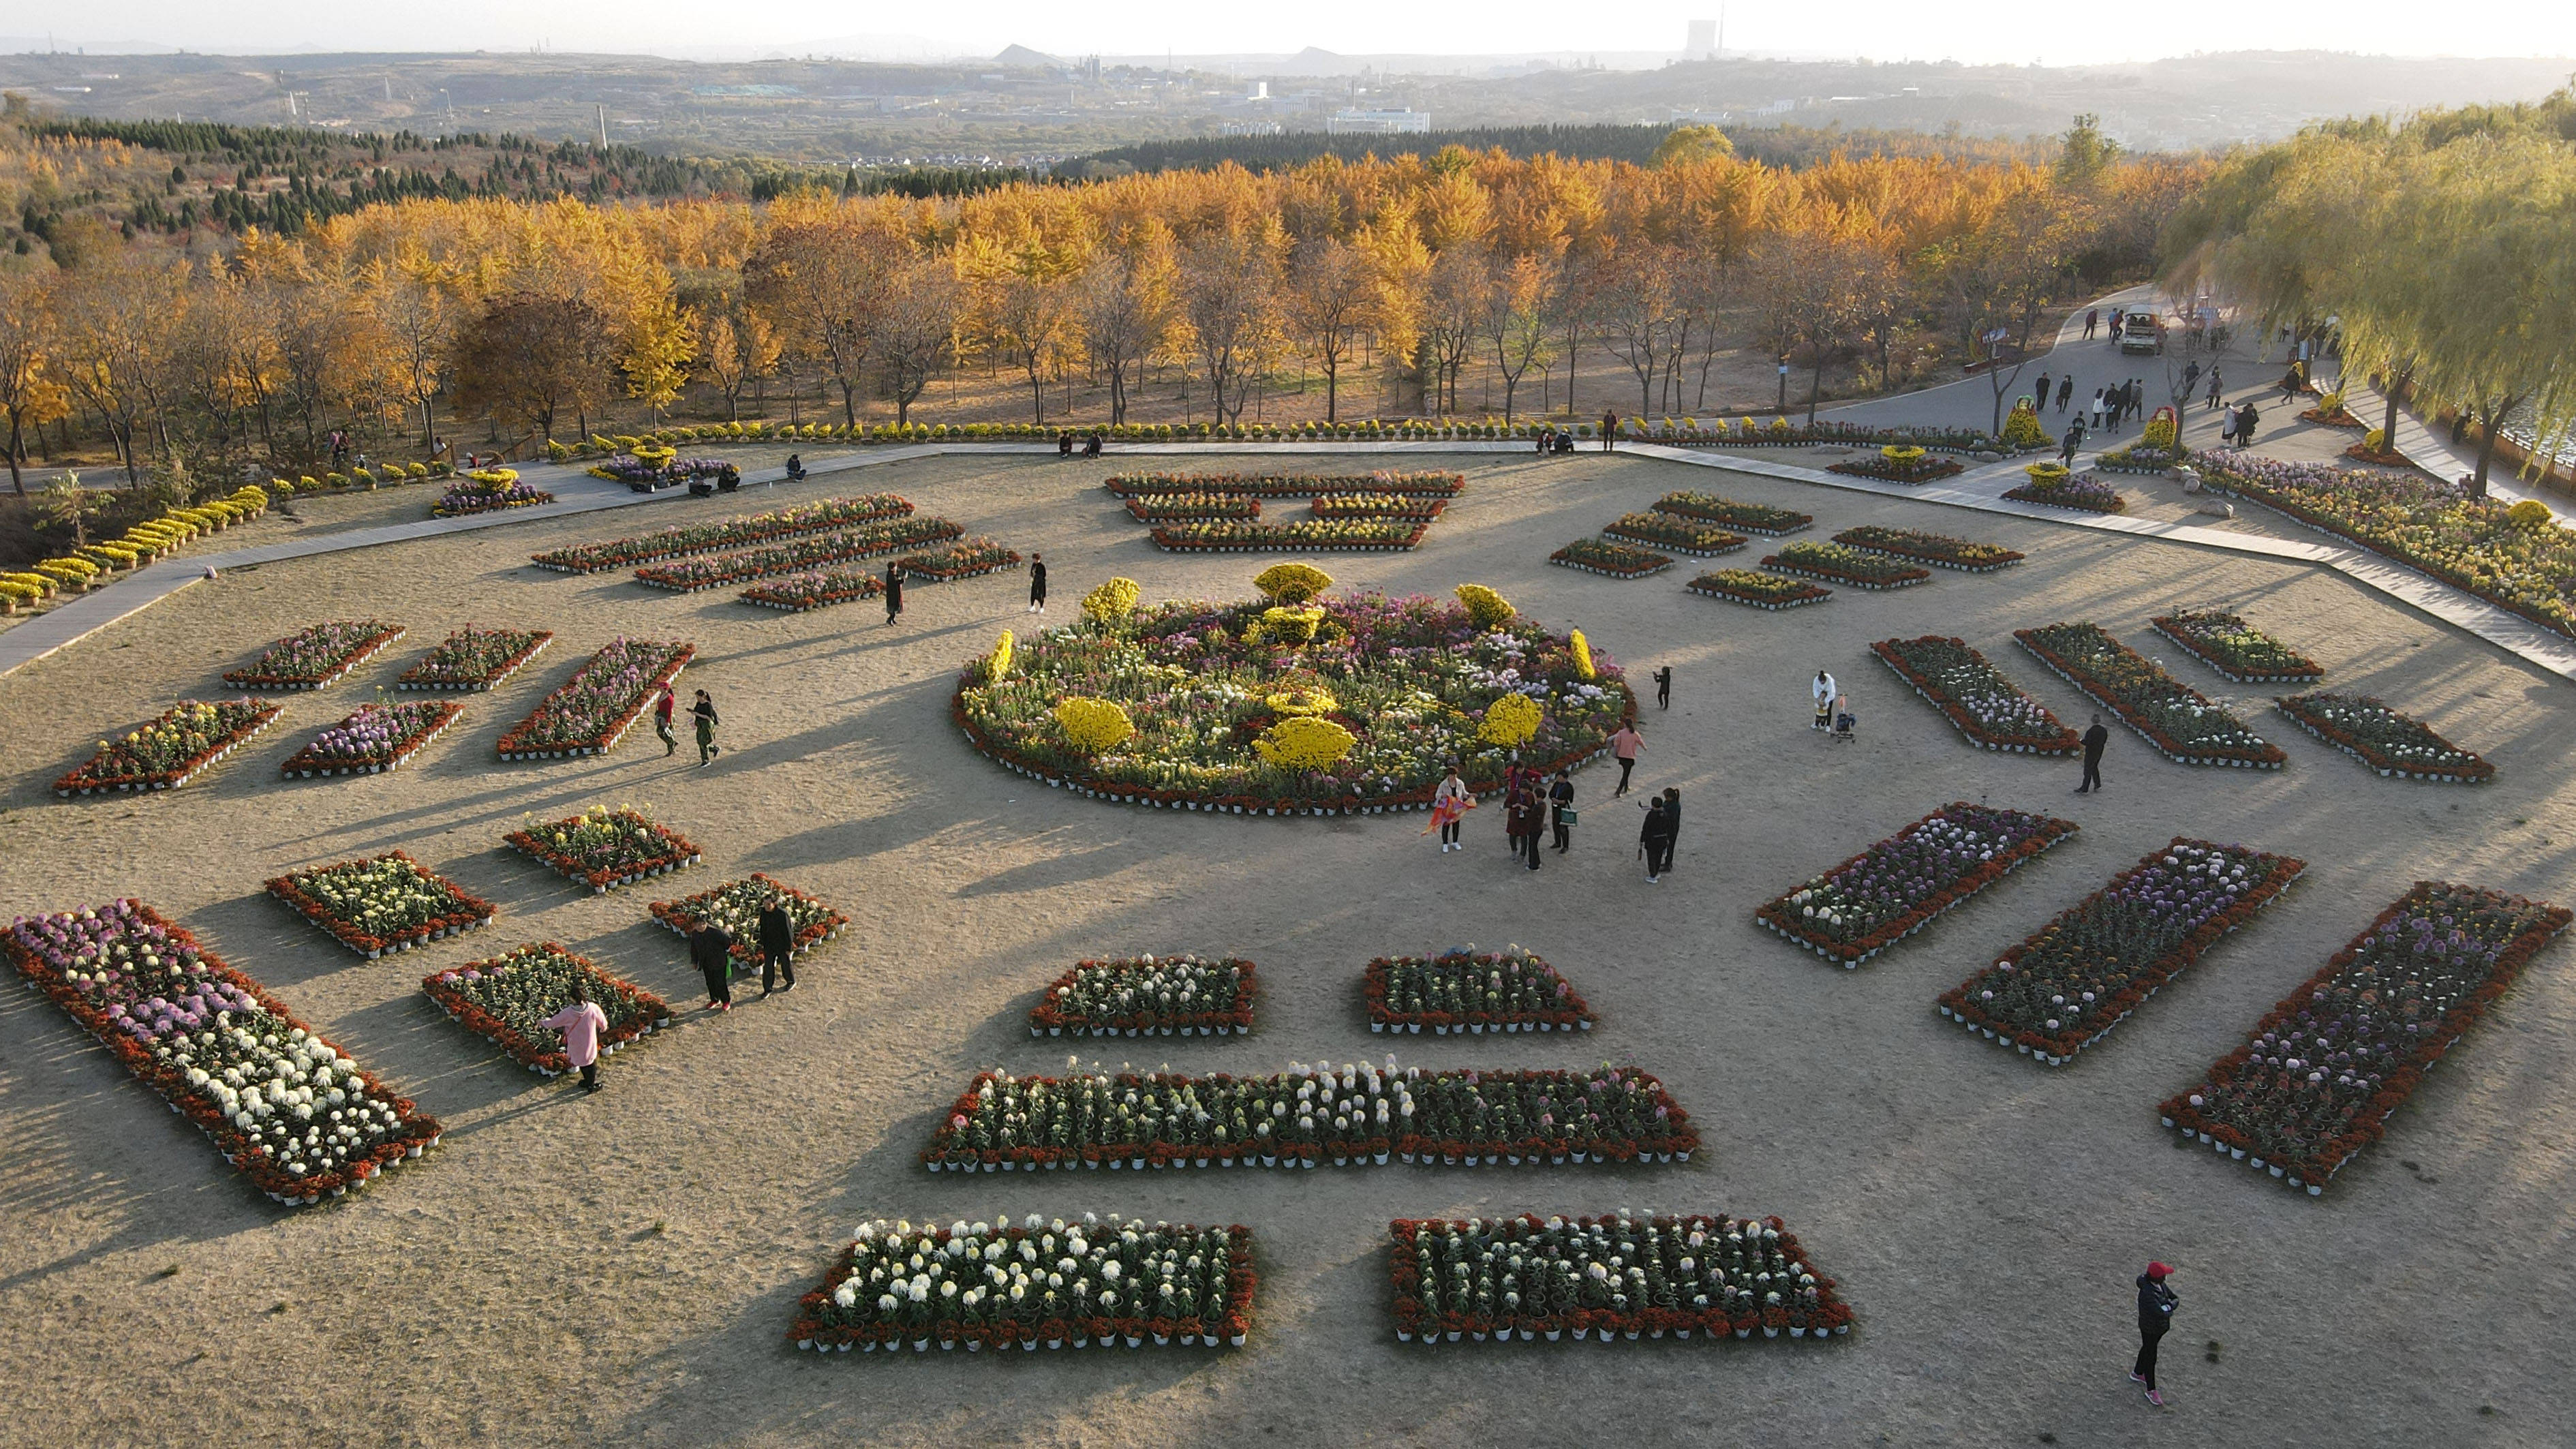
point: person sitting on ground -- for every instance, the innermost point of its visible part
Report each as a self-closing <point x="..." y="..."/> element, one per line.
<point x="1064" y="443"/>
<point x="795" y="468"/>
<point x="1091" y="446"/>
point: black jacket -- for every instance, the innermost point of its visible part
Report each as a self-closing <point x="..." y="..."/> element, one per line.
<point x="2094" y="739"/>
<point x="2156" y="1304"/>
<point x="777" y="932"/>
<point x="1037" y="576"/>
<point x="1659" y="827"/>
<point x="710" y="949"/>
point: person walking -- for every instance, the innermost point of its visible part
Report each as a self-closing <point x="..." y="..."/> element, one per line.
<point x="1560" y="809"/>
<point x="2190" y="376"/>
<point x="2097" y="407"/>
<point x="581" y="1022"/>
<point x="2246" y="418"/>
<point x="1624" y="747"/>
<point x="1822" y="691"/>
<point x="711" y="951"/>
<point x="1655" y="841"/>
<point x="778" y="940"/>
<point x="2217" y="389"/>
<point x="1526" y="811"/>
<point x="704" y="713"/>
<point x="1037" y="578"/>
<point x="1664" y="687"/>
<point x="2073" y="440"/>
<point x="1609" y="431"/>
<point x="1449" y="801"/>
<point x="1672" y="798"/>
<point x="663" y="705"/>
<point x="2156" y="1305"/>
<point x="2094" y="739"/>
<point x="2092" y="321"/>
<point x="893" y="593"/>
<point x="2039" y="395"/>
<point x="2065" y="391"/>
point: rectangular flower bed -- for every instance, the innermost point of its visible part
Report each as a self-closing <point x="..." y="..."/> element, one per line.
<point x="170" y="751"/>
<point x="1896" y="887"/>
<point x="389" y="902"/>
<point x="2085" y="492"/>
<point x="2383" y="739"/>
<point x="1358" y="1116"/>
<point x="1349" y="535"/>
<point x="2328" y="1066"/>
<point x="1186" y="507"/>
<point x="1973" y="695"/>
<point x="2182" y="723"/>
<point x="508" y="998"/>
<point x="2071" y="981"/>
<point x="1610" y="560"/>
<point x="588" y="713"/>
<point x="316" y="656"/>
<point x="1681" y="535"/>
<point x="1491" y="1278"/>
<point x="826" y="513"/>
<point x="1937" y="549"/>
<point x="1849" y="567"/>
<point x="1045" y="1283"/>
<point x="474" y="659"/>
<point x="797" y="593"/>
<point x="1288" y="485"/>
<point x="487" y="490"/>
<point x="1378" y="505"/>
<point x="800" y="551"/>
<point x="2235" y="648"/>
<point x="1924" y="469"/>
<point x="1471" y="991"/>
<point x="1150" y="996"/>
<point x="1761" y="590"/>
<point x="735" y="908"/>
<point x="603" y="848"/>
<point x="373" y="738"/>
<point x="1745" y="517"/>
<point x="965" y="558"/>
<point x="287" y="1108"/>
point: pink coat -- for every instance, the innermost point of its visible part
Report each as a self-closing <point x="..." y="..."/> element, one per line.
<point x="581" y="1023"/>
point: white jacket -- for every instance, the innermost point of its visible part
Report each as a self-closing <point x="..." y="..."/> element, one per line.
<point x="1825" y="689"/>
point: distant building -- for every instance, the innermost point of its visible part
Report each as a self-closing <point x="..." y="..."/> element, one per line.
<point x="1701" y="118"/>
<point x="1354" y="122"/>
<point x="1703" y="40"/>
<point x="1252" y="128"/>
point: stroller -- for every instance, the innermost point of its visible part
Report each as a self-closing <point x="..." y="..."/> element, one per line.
<point x="1841" y="731"/>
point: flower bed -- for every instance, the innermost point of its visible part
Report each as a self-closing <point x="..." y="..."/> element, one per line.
<point x="1761" y="590"/>
<point x="287" y="1108"/>
<point x="474" y="659"/>
<point x="1378" y="505"/>
<point x="1923" y="469"/>
<point x="2138" y="458"/>
<point x="487" y="490"/>
<point x="735" y="908"/>
<point x="2327" y="1067"/>
<point x="1288" y="485"/>
<point x="1615" y="1276"/>
<point x="2333" y="417"/>
<point x="964" y="558"/>
<point x="669" y="543"/>
<point x="1939" y="550"/>
<point x="1149" y="996"/>
<point x="1046" y="1282"/>
<point x="2383" y="739"/>
<point x="389" y="902"/>
<point x="1779" y="432"/>
<point x="588" y="713"/>
<point x="603" y="848"/>
<point x="1975" y="696"/>
<point x="2182" y="723"/>
<point x="1745" y="517"/>
<point x="2071" y="981"/>
<point x="1849" y="567"/>
<point x="1611" y="560"/>
<point x="1194" y="691"/>
<point x="797" y="593"/>
<point x="1472" y="991"/>
<point x="2235" y="648"/>
<point x="1896" y="887"/>
<point x="1300" y="1117"/>
<point x="316" y="656"/>
<point x="171" y="750"/>
<point x="1681" y="535"/>
<point x="800" y="551"/>
<point x="1184" y="507"/>
<point x="372" y="739"/>
<point x="508" y="998"/>
<point x="2084" y="491"/>
<point x="1341" y="535"/>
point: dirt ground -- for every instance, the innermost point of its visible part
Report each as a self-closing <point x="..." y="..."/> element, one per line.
<point x="622" y="1268"/>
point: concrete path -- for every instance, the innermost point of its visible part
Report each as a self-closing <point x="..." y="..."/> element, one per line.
<point x="1970" y="402"/>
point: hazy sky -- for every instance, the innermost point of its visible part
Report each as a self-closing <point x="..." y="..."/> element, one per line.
<point x="1966" y="30"/>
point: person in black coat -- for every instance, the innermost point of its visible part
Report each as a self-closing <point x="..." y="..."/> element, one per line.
<point x="2156" y="1305"/>
<point x="777" y="941"/>
<point x="1655" y="842"/>
<point x="1672" y="826"/>
<point x="711" y="951"/>
<point x="1037" y="583"/>
<point x="1064" y="443"/>
<point x="893" y="593"/>
<point x="1664" y="687"/>
<point x="2094" y="739"/>
<point x="1560" y="810"/>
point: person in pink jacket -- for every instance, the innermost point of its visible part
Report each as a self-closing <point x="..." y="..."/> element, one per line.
<point x="581" y="1022"/>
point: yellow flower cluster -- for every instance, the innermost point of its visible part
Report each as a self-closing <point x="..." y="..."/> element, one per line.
<point x="1488" y="609"/>
<point x="2529" y="513"/>
<point x="1901" y="454"/>
<point x="1112" y="602"/>
<point x="1093" y="726"/>
<point x="2047" y="475"/>
<point x="1292" y="583"/>
<point x="997" y="665"/>
<point x="1509" y="721"/>
<point x="140" y="544"/>
<point x="495" y="477"/>
<point x="2023" y="428"/>
<point x="1582" y="656"/>
<point x="2159" y="433"/>
<point x="1303" y="742"/>
<point x="1312" y="699"/>
<point x="653" y="456"/>
<point x="1290" y="626"/>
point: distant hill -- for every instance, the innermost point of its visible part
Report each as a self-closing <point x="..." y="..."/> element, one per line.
<point x="1773" y="145"/>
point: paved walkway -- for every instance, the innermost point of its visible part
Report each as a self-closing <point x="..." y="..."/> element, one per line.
<point x="1970" y="402"/>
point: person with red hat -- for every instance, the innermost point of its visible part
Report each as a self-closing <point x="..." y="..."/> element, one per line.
<point x="2156" y="1304"/>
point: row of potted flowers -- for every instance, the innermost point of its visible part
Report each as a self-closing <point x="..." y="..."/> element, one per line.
<point x="1938" y="549"/>
<point x="603" y="848"/>
<point x="2056" y="486"/>
<point x="1609" y="559"/>
<point x="1340" y="535"/>
<point x="588" y="713"/>
<point x="1491" y="1279"/>
<point x="1742" y="517"/>
<point x="1754" y="587"/>
<point x="1361" y="1115"/>
<point x="313" y="657"/>
<point x="474" y="659"/>
<point x="963" y="558"/>
<point x="1675" y="532"/>
<point x="388" y="902"/>
<point x="796" y="552"/>
<point x="735" y="907"/>
<point x="685" y="539"/>
<point x="170" y="750"/>
<point x="2066" y="985"/>
<point x="1899" y="463"/>
<point x="1973" y="695"/>
<point x="487" y="490"/>
<point x="2389" y="742"/>
<point x="1377" y="505"/>
<point x="1850" y="567"/>
<point x="1187" y="507"/>
<point x="1150" y="996"/>
<point x="373" y="738"/>
<point x="796" y="593"/>
<point x="288" y="1109"/>
<point x="2236" y="649"/>
<point x="2182" y="723"/>
<point x="1289" y="485"/>
<point x="1468" y="990"/>
<point x="1898" y="886"/>
<point x="508" y="999"/>
<point x="1042" y="1283"/>
<point x="2325" y="1069"/>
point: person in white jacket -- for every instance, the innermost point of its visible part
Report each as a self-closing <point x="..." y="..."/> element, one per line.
<point x="1826" y="692"/>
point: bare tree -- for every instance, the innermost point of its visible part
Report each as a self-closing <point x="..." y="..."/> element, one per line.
<point x="30" y="395"/>
<point x="1459" y="293"/>
<point x="1330" y="291"/>
<point x="1126" y="312"/>
<point x="530" y="358"/>
<point x="1516" y="325"/>
<point x="1999" y="281"/>
<point x="1229" y="290"/>
<point x="119" y="311"/>
<point x="419" y="326"/>
<point x="916" y="329"/>
<point x="1638" y="315"/>
<point x="1812" y="283"/>
<point x="826" y="287"/>
<point x="1032" y="315"/>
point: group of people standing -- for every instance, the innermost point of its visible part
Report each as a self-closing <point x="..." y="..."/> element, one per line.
<point x="1538" y="804"/>
<point x="582" y="1023"/>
